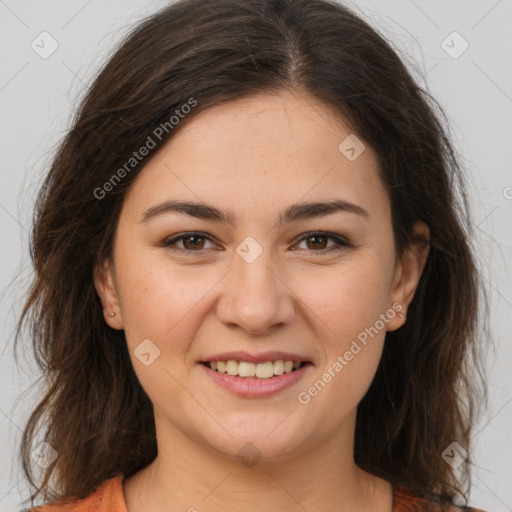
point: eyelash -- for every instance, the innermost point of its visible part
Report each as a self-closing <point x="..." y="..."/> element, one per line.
<point x="341" y="242"/>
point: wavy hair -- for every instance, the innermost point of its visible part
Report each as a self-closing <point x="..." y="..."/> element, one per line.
<point x="429" y="384"/>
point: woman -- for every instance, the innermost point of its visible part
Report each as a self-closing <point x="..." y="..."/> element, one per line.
<point x="254" y="287"/>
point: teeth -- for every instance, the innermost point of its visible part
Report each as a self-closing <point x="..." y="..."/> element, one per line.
<point x="278" y="367"/>
<point x="265" y="370"/>
<point x="260" y="370"/>
<point x="232" y="368"/>
<point x="246" y="369"/>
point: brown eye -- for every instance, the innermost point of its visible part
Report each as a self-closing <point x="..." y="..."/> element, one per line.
<point x="317" y="242"/>
<point x="191" y="242"/>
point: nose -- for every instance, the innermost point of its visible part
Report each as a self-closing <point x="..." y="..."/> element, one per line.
<point x="255" y="297"/>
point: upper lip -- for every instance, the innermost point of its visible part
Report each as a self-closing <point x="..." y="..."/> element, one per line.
<point x="255" y="358"/>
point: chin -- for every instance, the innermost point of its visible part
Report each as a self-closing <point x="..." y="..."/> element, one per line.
<point x="256" y="440"/>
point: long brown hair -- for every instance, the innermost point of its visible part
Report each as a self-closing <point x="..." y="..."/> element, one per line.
<point x="429" y="384"/>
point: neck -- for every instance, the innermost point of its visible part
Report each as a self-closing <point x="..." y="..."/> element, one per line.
<point x="188" y="476"/>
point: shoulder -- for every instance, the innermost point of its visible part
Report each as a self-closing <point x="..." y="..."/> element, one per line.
<point x="107" y="497"/>
<point x="405" y="502"/>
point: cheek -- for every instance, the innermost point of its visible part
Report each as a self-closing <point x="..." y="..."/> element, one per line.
<point x="153" y="300"/>
<point x="158" y="299"/>
<point x="346" y="298"/>
<point x="338" y="387"/>
<point x="160" y="303"/>
<point x="347" y="303"/>
<point x="347" y="311"/>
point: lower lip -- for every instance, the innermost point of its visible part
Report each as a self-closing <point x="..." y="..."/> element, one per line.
<point x="252" y="387"/>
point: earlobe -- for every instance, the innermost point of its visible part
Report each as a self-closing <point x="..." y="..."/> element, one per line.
<point x="408" y="273"/>
<point x="104" y="282"/>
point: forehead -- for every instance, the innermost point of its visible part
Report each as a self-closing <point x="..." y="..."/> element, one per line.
<point x="270" y="126"/>
<point x="256" y="153"/>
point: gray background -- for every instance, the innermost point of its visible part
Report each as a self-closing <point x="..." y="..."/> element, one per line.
<point x="37" y="98"/>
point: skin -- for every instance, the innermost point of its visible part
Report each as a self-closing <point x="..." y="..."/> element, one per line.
<point x="256" y="156"/>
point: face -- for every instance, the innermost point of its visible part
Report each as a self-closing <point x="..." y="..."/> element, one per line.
<point x="258" y="273"/>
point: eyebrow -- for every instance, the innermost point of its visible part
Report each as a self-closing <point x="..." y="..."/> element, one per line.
<point x="294" y="213"/>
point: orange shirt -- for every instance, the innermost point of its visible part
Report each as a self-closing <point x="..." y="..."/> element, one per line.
<point x="108" y="497"/>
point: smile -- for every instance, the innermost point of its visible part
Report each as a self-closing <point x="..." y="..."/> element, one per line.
<point x="253" y="380"/>
<point x="247" y="369"/>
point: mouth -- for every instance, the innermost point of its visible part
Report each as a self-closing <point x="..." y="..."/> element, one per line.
<point x="250" y="370"/>
<point x="250" y="380"/>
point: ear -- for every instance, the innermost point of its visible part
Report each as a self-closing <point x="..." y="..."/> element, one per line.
<point x="407" y="275"/>
<point x="104" y="282"/>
